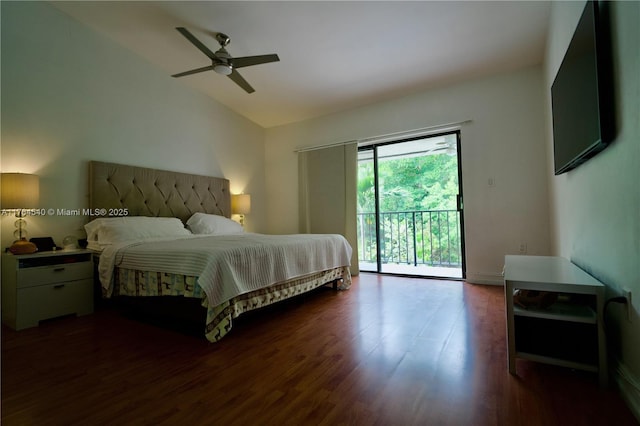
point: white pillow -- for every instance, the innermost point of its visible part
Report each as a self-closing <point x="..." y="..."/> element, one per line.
<point x="202" y="223"/>
<point x="115" y="229"/>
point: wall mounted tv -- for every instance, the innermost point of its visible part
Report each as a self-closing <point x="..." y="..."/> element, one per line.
<point x="581" y="93"/>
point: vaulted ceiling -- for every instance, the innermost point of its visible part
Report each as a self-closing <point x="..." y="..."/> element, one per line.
<point x="333" y="55"/>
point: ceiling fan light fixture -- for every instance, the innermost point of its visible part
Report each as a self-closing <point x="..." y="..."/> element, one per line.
<point x="221" y="62"/>
<point x="224" y="69"/>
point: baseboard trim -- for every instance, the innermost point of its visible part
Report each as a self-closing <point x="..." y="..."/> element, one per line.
<point x="487" y="279"/>
<point x="629" y="388"/>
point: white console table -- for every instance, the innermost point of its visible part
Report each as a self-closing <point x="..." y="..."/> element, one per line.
<point x="568" y="333"/>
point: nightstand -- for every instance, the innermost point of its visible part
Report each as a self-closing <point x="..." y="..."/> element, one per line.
<point x="46" y="285"/>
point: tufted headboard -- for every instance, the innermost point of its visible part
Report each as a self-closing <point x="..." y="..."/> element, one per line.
<point x="151" y="192"/>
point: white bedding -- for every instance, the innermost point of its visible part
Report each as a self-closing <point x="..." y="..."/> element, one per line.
<point x="229" y="265"/>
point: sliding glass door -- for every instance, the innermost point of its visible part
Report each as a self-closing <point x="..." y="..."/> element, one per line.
<point x="409" y="207"/>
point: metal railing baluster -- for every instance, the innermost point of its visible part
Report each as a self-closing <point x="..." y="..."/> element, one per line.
<point x="406" y="227"/>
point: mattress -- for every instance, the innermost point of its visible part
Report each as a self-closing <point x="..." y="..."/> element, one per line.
<point x="228" y="265"/>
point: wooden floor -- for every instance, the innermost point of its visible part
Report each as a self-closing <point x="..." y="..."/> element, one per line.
<point x="390" y="351"/>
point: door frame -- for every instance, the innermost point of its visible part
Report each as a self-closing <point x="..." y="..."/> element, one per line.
<point x="459" y="202"/>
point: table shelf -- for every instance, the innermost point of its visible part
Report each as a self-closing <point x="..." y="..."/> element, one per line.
<point x="568" y="333"/>
<point x="561" y="312"/>
<point x="559" y="362"/>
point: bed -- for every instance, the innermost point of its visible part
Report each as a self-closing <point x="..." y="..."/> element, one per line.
<point x="145" y="252"/>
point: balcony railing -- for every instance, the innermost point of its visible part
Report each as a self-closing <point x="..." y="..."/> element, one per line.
<point x="423" y="237"/>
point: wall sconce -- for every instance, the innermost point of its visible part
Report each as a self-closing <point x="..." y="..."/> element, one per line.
<point x="20" y="191"/>
<point x="241" y="205"/>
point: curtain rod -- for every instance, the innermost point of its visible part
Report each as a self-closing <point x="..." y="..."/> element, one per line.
<point x="424" y="131"/>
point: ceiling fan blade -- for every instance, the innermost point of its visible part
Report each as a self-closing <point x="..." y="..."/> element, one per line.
<point x="247" y="61"/>
<point x="237" y="78"/>
<point x="197" y="43"/>
<point x="197" y="70"/>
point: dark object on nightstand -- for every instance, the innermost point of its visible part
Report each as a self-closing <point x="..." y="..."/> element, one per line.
<point x="82" y="243"/>
<point x="44" y="243"/>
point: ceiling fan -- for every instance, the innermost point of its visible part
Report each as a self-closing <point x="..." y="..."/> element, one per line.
<point x="222" y="62"/>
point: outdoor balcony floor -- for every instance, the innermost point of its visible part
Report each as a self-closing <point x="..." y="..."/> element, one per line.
<point x="420" y="270"/>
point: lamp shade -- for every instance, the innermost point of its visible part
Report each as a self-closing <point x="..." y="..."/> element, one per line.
<point x="19" y="191"/>
<point x="241" y="204"/>
<point x="223" y="69"/>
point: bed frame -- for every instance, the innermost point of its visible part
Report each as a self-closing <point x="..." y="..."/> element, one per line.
<point x="140" y="191"/>
<point x="160" y="193"/>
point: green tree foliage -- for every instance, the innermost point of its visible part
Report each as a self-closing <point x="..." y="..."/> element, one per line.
<point x="424" y="186"/>
<point x="428" y="182"/>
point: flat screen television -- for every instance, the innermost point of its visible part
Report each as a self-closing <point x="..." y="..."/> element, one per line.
<point x="581" y="93"/>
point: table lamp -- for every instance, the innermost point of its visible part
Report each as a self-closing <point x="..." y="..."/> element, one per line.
<point x="241" y="205"/>
<point x="20" y="191"/>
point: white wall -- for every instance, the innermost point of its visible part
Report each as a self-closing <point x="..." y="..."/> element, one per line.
<point x="505" y="142"/>
<point x="596" y="208"/>
<point x="70" y="95"/>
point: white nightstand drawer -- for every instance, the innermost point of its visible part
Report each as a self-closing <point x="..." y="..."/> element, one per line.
<point x="45" y="285"/>
<point x="53" y="300"/>
<point x="29" y="277"/>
